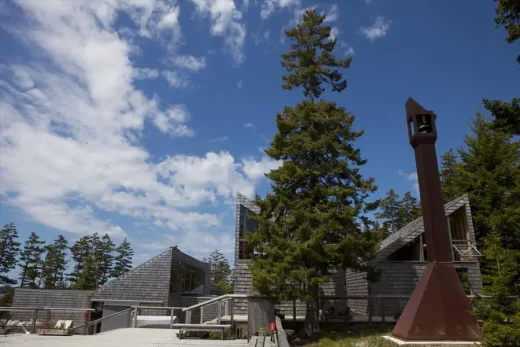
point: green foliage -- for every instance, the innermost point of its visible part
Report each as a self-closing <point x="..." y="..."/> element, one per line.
<point x="53" y="271"/>
<point x="489" y="171"/>
<point x="123" y="259"/>
<point x="506" y="114"/>
<point x="81" y="250"/>
<point x="6" y="301"/>
<point x="508" y="16"/>
<point x="396" y="213"/>
<point x="500" y="312"/>
<point x="88" y="277"/>
<point x="31" y="261"/>
<point x="220" y="272"/>
<point x="313" y="221"/>
<point x="355" y="336"/>
<point x="9" y="249"/>
<point x="307" y="68"/>
<point x="104" y="257"/>
<point x="449" y="176"/>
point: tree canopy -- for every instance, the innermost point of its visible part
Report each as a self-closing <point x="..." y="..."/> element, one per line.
<point x="314" y="220"/>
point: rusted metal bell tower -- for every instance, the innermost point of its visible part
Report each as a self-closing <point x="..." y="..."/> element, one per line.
<point x="438" y="308"/>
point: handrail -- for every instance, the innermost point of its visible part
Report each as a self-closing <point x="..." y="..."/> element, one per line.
<point x="218" y="298"/>
<point x="21" y="309"/>
<point x="159" y="307"/>
<point x="101" y="319"/>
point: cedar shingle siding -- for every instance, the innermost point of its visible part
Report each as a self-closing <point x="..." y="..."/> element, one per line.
<point x="149" y="281"/>
<point x="397" y="277"/>
<point x="401" y="277"/>
<point x="53" y="298"/>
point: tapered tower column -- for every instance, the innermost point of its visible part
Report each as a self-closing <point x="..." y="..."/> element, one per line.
<point x="438" y="308"/>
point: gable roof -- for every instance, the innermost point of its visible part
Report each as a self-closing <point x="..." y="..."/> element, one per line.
<point x="149" y="264"/>
<point x="416" y="227"/>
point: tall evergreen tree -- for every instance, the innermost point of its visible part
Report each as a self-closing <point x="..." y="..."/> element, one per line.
<point x="508" y="16"/>
<point x="489" y="171"/>
<point x="499" y="310"/>
<point x="9" y="249"/>
<point x="80" y="252"/>
<point x="31" y="261"/>
<point x="88" y="277"/>
<point x="220" y="271"/>
<point x="313" y="221"/>
<point x="104" y="256"/>
<point x="396" y="213"/>
<point x="123" y="259"/>
<point x="449" y="176"/>
<point x="506" y="114"/>
<point x="54" y="265"/>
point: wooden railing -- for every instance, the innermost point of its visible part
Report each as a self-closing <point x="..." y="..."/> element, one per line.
<point x="218" y="300"/>
<point x="87" y="325"/>
<point x="48" y="310"/>
<point x="139" y="308"/>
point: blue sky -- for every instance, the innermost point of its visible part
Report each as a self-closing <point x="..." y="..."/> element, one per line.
<point x="144" y="119"/>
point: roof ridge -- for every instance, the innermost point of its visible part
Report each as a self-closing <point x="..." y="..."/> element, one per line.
<point x="132" y="270"/>
<point x="397" y="235"/>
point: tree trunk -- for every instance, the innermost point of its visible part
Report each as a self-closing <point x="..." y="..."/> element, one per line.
<point x="311" y="325"/>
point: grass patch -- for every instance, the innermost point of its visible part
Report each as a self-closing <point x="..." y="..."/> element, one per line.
<point x="350" y="337"/>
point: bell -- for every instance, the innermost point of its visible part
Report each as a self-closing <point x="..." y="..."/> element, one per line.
<point x="425" y="128"/>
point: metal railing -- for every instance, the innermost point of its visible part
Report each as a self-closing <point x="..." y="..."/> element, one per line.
<point x="35" y="310"/>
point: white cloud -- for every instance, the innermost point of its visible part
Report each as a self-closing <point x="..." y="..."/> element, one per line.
<point x="334" y="32"/>
<point x="240" y="85"/>
<point x="377" y="30"/>
<point x="69" y="123"/>
<point x="218" y="139"/>
<point x="174" y="79"/>
<point x="256" y="170"/>
<point x="189" y="62"/>
<point x="413" y="178"/>
<point x="173" y="121"/>
<point x="216" y="174"/>
<point x="250" y="126"/>
<point x="269" y="6"/>
<point x="145" y="73"/>
<point x="332" y="14"/>
<point x="258" y="38"/>
<point x="226" y="23"/>
<point x="349" y="50"/>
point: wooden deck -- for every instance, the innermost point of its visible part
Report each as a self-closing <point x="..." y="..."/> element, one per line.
<point x="128" y="337"/>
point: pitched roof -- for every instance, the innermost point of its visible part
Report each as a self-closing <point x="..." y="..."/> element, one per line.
<point x="415" y="228"/>
<point x="135" y="269"/>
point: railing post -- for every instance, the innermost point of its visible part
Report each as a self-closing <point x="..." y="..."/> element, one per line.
<point x="383" y="311"/>
<point x="85" y="327"/>
<point x="294" y="311"/>
<point x="136" y="312"/>
<point x="48" y="317"/>
<point x="129" y="318"/>
<point x="171" y="318"/>
<point x="201" y="314"/>
<point x="34" y="318"/>
<point x="232" y="313"/>
<point x="226" y="308"/>
<point x="188" y="317"/>
<point x="219" y="311"/>
<point x="369" y="304"/>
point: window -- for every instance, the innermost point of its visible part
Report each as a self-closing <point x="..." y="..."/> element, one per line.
<point x="186" y="279"/>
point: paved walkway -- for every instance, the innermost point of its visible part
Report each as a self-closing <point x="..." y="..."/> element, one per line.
<point x="129" y="337"/>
